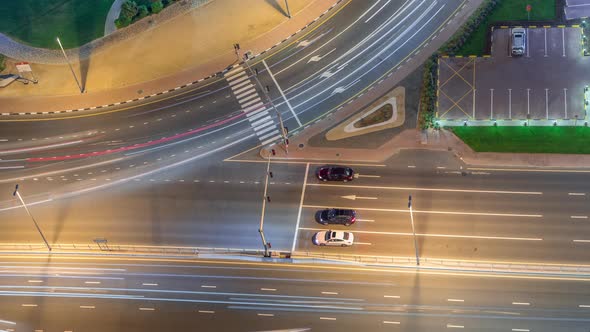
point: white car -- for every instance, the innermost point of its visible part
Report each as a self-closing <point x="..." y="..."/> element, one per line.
<point x="333" y="238"/>
<point x="518" y="41"/>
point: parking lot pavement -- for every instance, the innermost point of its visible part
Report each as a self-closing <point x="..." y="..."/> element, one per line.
<point x="545" y="85"/>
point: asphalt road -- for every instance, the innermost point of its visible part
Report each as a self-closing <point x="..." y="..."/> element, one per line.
<point x="119" y="294"/>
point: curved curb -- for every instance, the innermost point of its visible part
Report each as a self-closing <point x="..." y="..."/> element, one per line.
<point x="178" y="87"/>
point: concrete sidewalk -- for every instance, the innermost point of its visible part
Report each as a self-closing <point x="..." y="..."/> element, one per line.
<point x="153" y="61"/>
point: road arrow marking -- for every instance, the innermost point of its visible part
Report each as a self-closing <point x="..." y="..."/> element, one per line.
<point x="317" y="58"/>
<point x="354" y="197"/>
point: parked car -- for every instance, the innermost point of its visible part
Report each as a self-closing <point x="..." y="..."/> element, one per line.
<point x="335" y="173"/>
<point x="333" y="238"/>
<point x="344" y="217"/>
<point x="518" y="41"/>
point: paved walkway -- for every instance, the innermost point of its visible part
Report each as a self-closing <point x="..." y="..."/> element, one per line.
<point x="113" y="14"/>
<point x="151" y="61"/>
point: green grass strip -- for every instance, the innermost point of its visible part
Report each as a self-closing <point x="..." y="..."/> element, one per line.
<point x="521" y="139"/>
<point x="39" y="22"/>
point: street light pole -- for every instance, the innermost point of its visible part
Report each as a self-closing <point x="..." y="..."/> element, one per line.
<point x="413" y="229"/>
<point x="264" y="199"/>
<point x="69" y="64"/>
<point x="288" y="11"/>
<point x="265" y="91"/>
<point x="16" y="193"/>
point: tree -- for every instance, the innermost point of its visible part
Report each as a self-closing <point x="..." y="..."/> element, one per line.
<point x="142" y="12"/>
<point x="128" y="10"/>
<point x="157" y="6"/>
<point x="122" y="22"/>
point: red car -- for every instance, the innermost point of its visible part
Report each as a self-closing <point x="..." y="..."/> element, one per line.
<point x="335" y="173"/>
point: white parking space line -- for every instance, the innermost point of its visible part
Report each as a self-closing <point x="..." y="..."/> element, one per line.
<point x="266" y="315"/>
<point x="208" y="286"/>
<point x="268" y="289"/>
<point x="473" y="103"/>
<point x="327" y="318"/>
<point x="521" y="303"/>
<point x="456" y="236"/>
<point x="391" y="296"/>
<point x="300" y="207"/>
<point x="521" y="330"/>
<point x="431" y="189"/>
<point x="563" y="42"/>
<point x="527" y="43"/>
<point x="455" y="300"/>
<point x="582" y="241"/>
<point x="28" y="305"/>
<point x="366" y="220"/>
<point x="491" y="104"/>
<point x="579" y="217"/>
<point x="364" y="243"/>
<point x="366" y="176"/>
<point x="149" y="284"/>
<point x="545" y="29"/>
<point x="147" y="309"/>
<point x="206" y="311"/>
<point x="576" y="194"/>
<point x="584" y="306"/>
<point x="509" y="103"/>
<point x="547" y="103"/>
<point x="390" y="322"/>
<point x="565" y="101"/>
<point x="330" y="293"/>
<point x="87" y="307"/>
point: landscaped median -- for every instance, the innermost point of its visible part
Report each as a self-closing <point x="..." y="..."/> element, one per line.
<point x="569" y="140"/>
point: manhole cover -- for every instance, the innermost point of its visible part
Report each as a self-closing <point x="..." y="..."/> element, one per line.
<point x="301" y="145"/>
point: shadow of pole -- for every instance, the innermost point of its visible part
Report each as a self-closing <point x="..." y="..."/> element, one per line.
<point x="277" y="6"/>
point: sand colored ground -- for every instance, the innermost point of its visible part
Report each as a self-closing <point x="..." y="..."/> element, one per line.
<point x="199" y="36"/>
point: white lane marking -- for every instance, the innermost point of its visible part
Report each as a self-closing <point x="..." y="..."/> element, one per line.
<point x="327" y="318"/>
<point x="434" y="189"/>
<point x="411" y="166"/>
<point x="584" y="306"/>
<point x="12" y="167"/>
<point x="432" y="212"/>
<point x="87" y="307"/>
<point x="207" y="311"/>
<point x="366" y="220"/>
<point x="149" y="284"/>
<point x="529" y="170"/>
<point x="330" y="293"/>
<point x="92" y="282"/>
<point x="390" y="322"/>
<point x="367" y="176"/>
<point x="364" y="243"/>
<point x="391" y="296"/>
<point x="208" y="286"/>
<point x="455" y="300"/>
<point x="355" y="197"/>
<point x="146" y="309"/>
<point x="440" y="167"/>
<point x="451" y="326"/>
<point x="521" y="303"/>
<point x="300" y="207"/>
<point x="521" y="330"/>
<point x="28" y="305"/>
<point x="442" y="235"/>
<point x="576" y="194"/>
<point x="582" y="241"/>
<point x="378" y="10"/>
<point x="579" y="217"/>
<point x="266" y="315"/>
<point x="34" y="281"/>
<point x="282" y="93"/>
<point x="268" y="289"/>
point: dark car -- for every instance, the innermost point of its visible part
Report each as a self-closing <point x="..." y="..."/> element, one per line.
<point x="335" y="173"/>
<point x="336" y="216"/>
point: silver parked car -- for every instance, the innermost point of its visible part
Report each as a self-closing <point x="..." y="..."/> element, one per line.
<point x="518" y="41"/>
<point x="333" y="238"/>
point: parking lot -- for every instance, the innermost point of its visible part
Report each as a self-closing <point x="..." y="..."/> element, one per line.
<point x="544" y="85"/>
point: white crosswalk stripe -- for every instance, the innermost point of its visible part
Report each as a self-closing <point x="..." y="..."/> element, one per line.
<point x="246" y="104"/>
<point x="257" y="115"/>
<point x="251" y="103"/>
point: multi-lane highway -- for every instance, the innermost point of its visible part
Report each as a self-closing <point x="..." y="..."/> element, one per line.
<point x="120" y="294"/>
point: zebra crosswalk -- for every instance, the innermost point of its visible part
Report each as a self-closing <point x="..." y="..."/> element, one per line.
<point x="251" y="103"/>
